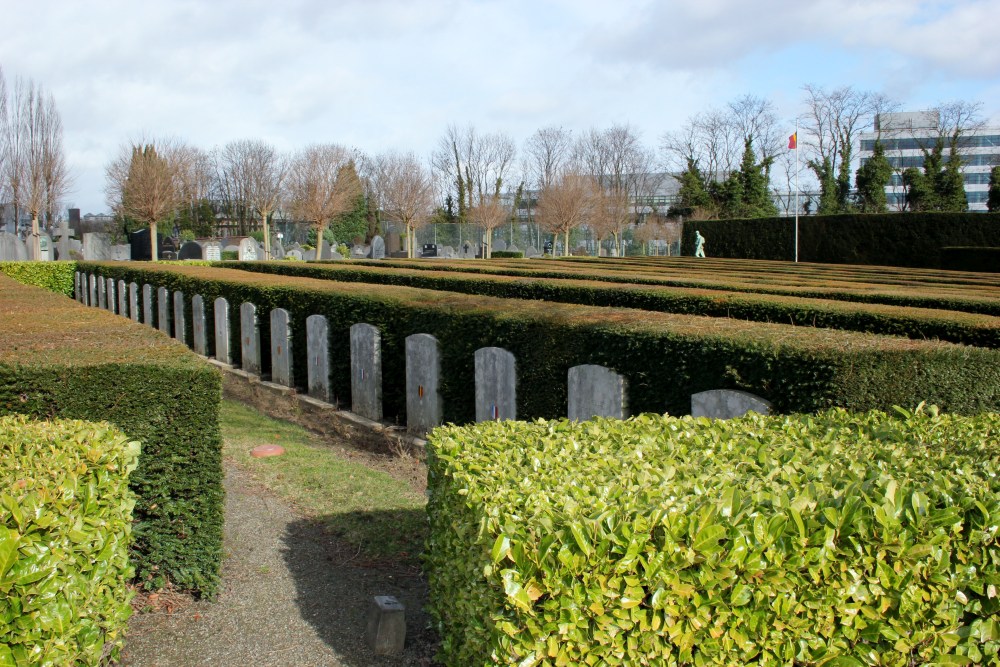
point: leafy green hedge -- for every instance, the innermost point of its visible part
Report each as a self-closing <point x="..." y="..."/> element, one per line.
<point x="971" y="259"/>
<point x="831" y="539"/>
<point x="60" y="359"/>
<point x="891" y="239"/>
<point x="969" y="329"/>
<point x="664" y="357"/>
<point x="506" y="254"/>
<point x="53" y="276"/>
<point x="65" y="519"/>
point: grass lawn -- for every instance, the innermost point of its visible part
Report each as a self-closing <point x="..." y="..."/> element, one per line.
<point x="380" y="514"/>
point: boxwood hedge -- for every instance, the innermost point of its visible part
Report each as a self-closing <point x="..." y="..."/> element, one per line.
<point x="65" y="520"/>
<point x="53" y="276"/>
<point x="60" y="359"/>
<point x="831" y="539"/>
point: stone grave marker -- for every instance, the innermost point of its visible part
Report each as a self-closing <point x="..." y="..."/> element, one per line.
<point x="248" y="250"/>
<point x="180" y="325"/>
<point x="232" y="248"/>
<point x="147" y="305"/>
<point x="360" y="251"/>
<point x="92" y="291"/>
<point x="221" y="315"/>
<point x="249" y="338"/>
<point x="77" y="290"/>
<point x="318" y="353"/>
<point x="168" y="255"/>
<point x="596" y="391"/>
<point x="133" y="301"/>
<point x="109" y="285"/>
<point x="309" y="255"/>
<point x="393" y="243"/>
<point x="281" y="348"/>
<point x="44" y="247"/>
<point x="335" y="255"/>
<point x="63" y="241"/>
<point x="277" y="250"/>
<point x="213" y="251"/>
<point x="191" y="250"/>
<point x="199" y="338"/>
<point x="139" y="242"/>
<point x="122" y="299"/>
<point x="496" y="382"/>
<point x="727" y="404"/>
<point x="163" y="309"/>
<point x="121" y="253"/>
<point x="96" y="247"/>
<point x="366" y="371"/>
<point x="324" y="251"/>
<point x="102" y="293"/>
<point x="378" y="248"/>
<point x="499" y="245"/>
<point x="11" y="248"/>
<point x="513" y="248"/>
<point x="532" y="251"/>
<point x="423" y="368"/>
<point x="294" y="254"/>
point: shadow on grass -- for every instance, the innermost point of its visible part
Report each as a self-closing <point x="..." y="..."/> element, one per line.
<point x="335" y="583"/>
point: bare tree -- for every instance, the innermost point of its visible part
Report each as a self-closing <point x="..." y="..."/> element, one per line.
<point x="4" y="150"/>
<point x="567" y="203"/>
<point x="478" y="164"/>
<point x="403" y="188"/>
<point x="196" y="179"/>
<point x="490" y="213"/>
<point x="321" y="185"/>
<point x="144" y="182"/>
<point x="254" y="172"/>
<point x="545" y="154"/>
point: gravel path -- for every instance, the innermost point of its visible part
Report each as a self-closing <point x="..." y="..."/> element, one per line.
<point x="291" y="595"/>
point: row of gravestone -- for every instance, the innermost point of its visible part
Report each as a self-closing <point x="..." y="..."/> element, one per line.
<point x="592" y="390"/>
<point x="95" y="247"/>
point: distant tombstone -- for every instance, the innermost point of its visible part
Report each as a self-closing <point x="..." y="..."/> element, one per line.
<point x="423" y="368"/>
<point x="133" y="301"/>
<point x="393" y="243"/>
<point x="448" y="252"/>
<point x="198" y="334"/>
<point x="513" y="248"/>
<point x="44" y="247"/>
<point x="378" y="248"/>
<point x="294" y="254"/>
<point x="309" y="255"/>
<point x="63" y="238"/>
<point x="122" y="299"/>
<point x="9" y="251"/>
<point x="596" y="391"/>
<point x="499" y="245"/>
<point x="727" y="404"/>
<point x="109" y="285"/>
<point x="359" y="251"/>
<point x="139" y="241"/>
<point x="180" y="326"/>
<point x="92" y="291"/>
<point x="166" y="246"/>
<point x="248" y="250"/>
<point x="232" y="248"/>
<point x="121" y="253"/>
<point x="249" y="338"/>
<point x="147" y="305"/>
<point x="168" y="255"/>
<point x="318" y="357"/>
<point x="429" y="250"/>
<point x="277" y="250"/>
<point x="324" y="251"/>
<point x="335" y="255"/>
<point x="102" y="294"/>
<point x="77" y="291"/>
<point x="281" y="348"/>
<point x="366" y="371"/>
<point x="163" y="310"/>
<point x="213" y="251"/>
<point x="496" y="381"/>
<point x="96" y="247"/>
<point x="191" y="250"/>
<point x="532" y="251"/>
<point x="220" y="313"/>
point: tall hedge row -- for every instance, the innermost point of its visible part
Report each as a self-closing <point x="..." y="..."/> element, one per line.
<point x="832" y="539"/>
<point x="54" y="276"/>
<point x="911" y="239"/>
<point x="59" y="359"/>
<point x="665" y="358"/>
<point x="65" y="522"/>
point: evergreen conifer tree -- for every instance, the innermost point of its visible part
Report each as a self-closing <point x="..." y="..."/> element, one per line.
<point x="871" y="179"/>
<point x="993" y="199"/>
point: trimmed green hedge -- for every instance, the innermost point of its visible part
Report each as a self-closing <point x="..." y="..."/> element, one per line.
<point x="890" y="239"/>
<point x="65" y="519"/>
<point x="53" y="276"/>
<point x="506" y="254"/>
<point x="664" y="357"/>
<point x="969" y="329"/>
<point x="831" y="539"/>
<point x="60" y="359"/>
<point x="971" y="259"/>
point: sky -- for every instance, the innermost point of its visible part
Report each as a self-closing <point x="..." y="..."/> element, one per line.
<point x="377" y="75"/>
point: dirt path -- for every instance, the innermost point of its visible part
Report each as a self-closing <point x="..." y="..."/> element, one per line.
<point x="291" y="595"/>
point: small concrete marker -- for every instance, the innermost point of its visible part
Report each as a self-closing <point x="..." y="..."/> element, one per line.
<point x="163" y="309"/>
<point x="366" y="371"/>
<point x="249" y="339"/>
<point x="318" y="353"/>
<point x="727" y="404"/>
<point x="122" y="299"/>
<point x="133" y="301"/>
<point x="147" y="304"/>
<point x="281" y="348"/>
<point x="263" y="451"/>
<point x="221" y="314"/>
<point x="386" y="631"/>
<point x="423" y="368"/>
<point x="200" y="339"/>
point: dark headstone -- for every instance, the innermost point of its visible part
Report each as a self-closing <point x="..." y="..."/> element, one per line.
<point x="191" y="250"/>
<point x="429" y="250"/>
<point x="140" y="245"/>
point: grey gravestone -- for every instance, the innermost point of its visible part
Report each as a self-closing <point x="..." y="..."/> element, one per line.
<point x="213" y="251"/>
<point x="96" y="247"/>
<point x="199" y="338"/>
<point x="496" y="381"/>
<point x="163" y="310"/>
<point x="191" y="250"/>
<point x="122" y="299"/>
<point x="102" y="293"/>
<point x="423" y="368"/>
<point x="168" y="255"/>
<point x="385" y="630"/>
<point x="281" y="348"/>
<point x="393" y="243"/>
<point x="45" y="247"/>
<point x="221" y="316"/>
<point x="249" y="338"/>
<point x="248" y="250"/>
<point x="63" y="241"/>
<point x="147" y="305"/>
<point x="360" y="252"/>
<point x="324" y="251"/>
<point x="318" y="353"/>
<point x="277" y="250"/>
<point x="596" y="391"/>
<point x="294" y="254"/>
<point x="513" y="248"/>
<point x="180" y="325"/>
<point x="133" y="301"/>
<point x="309" y="255"/>
<point x="9" y="247"/>
<point x="727" y="404"/>
<point x="335" y="255"/>
<point x="499" y="245"/>
<point x="378" y="248"/>
<point x="92" y="291"/>
<point x="532" y="251"/>
<point x="77" y="291"/>
<point x="232" y="248"/>
<point x="121" y="253"/>
<point x="109" y="285"/>
<point x="366" y="371"/>
<point x="448" y="252"/>
<point x="21" y="248"/>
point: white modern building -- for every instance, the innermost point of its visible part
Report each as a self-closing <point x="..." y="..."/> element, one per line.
<point x="905" y="136"/>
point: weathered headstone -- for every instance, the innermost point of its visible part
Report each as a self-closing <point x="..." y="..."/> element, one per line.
<point x="448" y="252"/>
<point x="199" y="337"/>
<point x="96" y="247"/>
<point x="423" y="368"/>
<point x="513" y="248"/>
<point x="221" y="316"/>
<point x="180" y="325"/>
<point x="277" y="250"/>
<point x="248" y="250"/>
<point x="318" y="353"/>
<point x="213" y="251"/>
<point x="324" y="250"/>
<point x="77" y="289"/>
<point x="393" y="243"/>
<point x="147" y="305"/>
<point x="232" y="248"/>
<point x="378" y="248"/>
<point x="122" y="299"/>
<point x="121" y="253"/>
<point x="596" y="391"/>
<point x="102" y="293"/>
<point x="335" y="255"/>
<point x="532" y="251"/>
<point x="309" y="255"/>
<point x="281" y="348"/>
<point x="109" y="285"/>
<point x="499" y="245"/>
<point x="385" y="630"/>
<point x="133" y="301"/>
<point x="92" y="291"/>
<point x="163" y="310"/>
<point x="63" y="238"/>
<point x="360" y="251"/>
<point x="496" y="382"/>
<point x="11" y="248"/>
<point x="294" y="254"/>
<point x="191" y="250"/>
<point x="249" y="338"/>
<point x="366" y="371"/>
<point x="44" y="246"/>
<point x="727" y="404"/>
<point x="168" y="255"/>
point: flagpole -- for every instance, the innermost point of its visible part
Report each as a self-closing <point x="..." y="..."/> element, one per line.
<point x="796" y="190"/>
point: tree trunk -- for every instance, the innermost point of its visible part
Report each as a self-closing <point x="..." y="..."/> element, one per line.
<point x="267" y="235"/>
<point x="320" y="230"/>
<point x="153" y="245"/>
<point x="36" y="239"/>
<point x="566" y="245"/>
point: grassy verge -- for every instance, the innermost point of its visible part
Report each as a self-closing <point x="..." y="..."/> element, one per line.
<point x="381" y="515"/>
